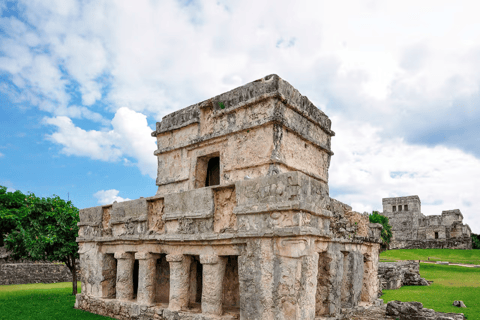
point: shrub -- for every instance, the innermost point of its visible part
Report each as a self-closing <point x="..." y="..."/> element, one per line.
<point x="375" y="217"/>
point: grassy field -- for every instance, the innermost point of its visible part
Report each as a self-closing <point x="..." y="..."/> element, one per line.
<point x="40" y="302"/>
<point x="450" y="255"/>
<point x="450" y="283"/>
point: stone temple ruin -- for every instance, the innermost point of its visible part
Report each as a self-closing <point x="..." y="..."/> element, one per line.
<point x="411" y="229"/>
<point x="242" y="225"/>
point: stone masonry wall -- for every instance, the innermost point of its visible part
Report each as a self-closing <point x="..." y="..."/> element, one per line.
<point x="23" y="273"/>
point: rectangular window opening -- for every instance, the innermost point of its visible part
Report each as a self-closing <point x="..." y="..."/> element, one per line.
<point x="162" y="285"/>
<point x="405" y="207"/>
<point x="400" y="208"/>
<point x="207" y="171"/>
<point x="394" y="208"/>
<point x="436" y="235"/>
<point x="231" y="286"/>
<point x="213" y="172"/>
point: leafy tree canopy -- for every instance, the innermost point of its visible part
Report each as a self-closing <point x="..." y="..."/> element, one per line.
<point x="375" y="217"/>
<point x="475" y="241"/>
<point x="43" y="228"/>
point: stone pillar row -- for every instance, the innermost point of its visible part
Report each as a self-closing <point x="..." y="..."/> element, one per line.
<point x="181" y="275"/>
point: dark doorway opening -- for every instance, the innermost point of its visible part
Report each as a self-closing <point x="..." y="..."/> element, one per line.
<point x="162" y="287"/>
<point x="135" y="279"/>
<point x="109" y="272"/>
<point x="213" y="172"/>
<point x="436" y="235"/>
<point x="231" y="286"/>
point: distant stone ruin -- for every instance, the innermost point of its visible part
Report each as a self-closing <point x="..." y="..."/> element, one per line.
<point x="411" y="229"/>
<point x="242" y="225"/>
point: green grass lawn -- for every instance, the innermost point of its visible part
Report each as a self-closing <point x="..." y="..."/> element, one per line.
<point x="450" y="283"/>
<point x="40" y="302"/>
<point x="450" y="255"/>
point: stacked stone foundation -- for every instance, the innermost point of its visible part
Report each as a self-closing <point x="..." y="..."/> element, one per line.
<point x="456" y="243"/>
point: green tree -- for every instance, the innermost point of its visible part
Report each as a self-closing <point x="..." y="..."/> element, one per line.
<point x="45" y="229"/>
<point x="11" y="205"/>
<point x="475" y="241"/>
<point x="375" y="217"/>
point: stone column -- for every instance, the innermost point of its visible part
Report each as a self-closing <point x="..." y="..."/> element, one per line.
<point x="212" y="290"/>
<point x="370" y="287"/>
<point x="147" y="270"/>
<point x="179" y="281"/>
<point x="125" y="262"/>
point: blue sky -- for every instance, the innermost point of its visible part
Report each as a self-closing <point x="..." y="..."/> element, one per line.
<point x="82" y="84"/>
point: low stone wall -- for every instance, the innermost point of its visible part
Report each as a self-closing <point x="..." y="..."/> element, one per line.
<point x="454" y="243"/>
<point x="394" y="275"/>
<point x="23" y="273"/>
<point x="130" y="310"/>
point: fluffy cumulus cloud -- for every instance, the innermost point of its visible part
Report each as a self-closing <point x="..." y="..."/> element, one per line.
<point x="130" y="138"/>
<point x="367" y="168"/>
<point x="403" y="82"/>
<point x="108" y="196"/>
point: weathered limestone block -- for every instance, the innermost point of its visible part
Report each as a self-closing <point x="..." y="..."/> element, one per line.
<point x="287" y="191"/>
<point x="212" y="292"/>
<point x="133" y="210"/>
<point x="193" y="204"/>
<point x="416" y="311"/>
<point x="125" y="263"/>
<point x="147" y="269"/>
<point x="179" y="281"/>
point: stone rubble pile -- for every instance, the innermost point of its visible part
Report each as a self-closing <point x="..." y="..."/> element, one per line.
<point x="416" y="311"/>
<point x="394" y="275"/>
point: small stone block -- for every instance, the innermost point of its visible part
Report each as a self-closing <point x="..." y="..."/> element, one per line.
<point x="124" y="255"/>
<point x="174" y="257"/>
<point x="146" y="255"/>
<point x="209" y="259"/>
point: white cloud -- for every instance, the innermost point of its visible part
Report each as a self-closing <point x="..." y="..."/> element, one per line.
<point x="130" y="137"/>
<point x="108" y="196"/>
<point x="367" y="168"/>
<point x="406" y="76"/>
<point x="1" y="155"/>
